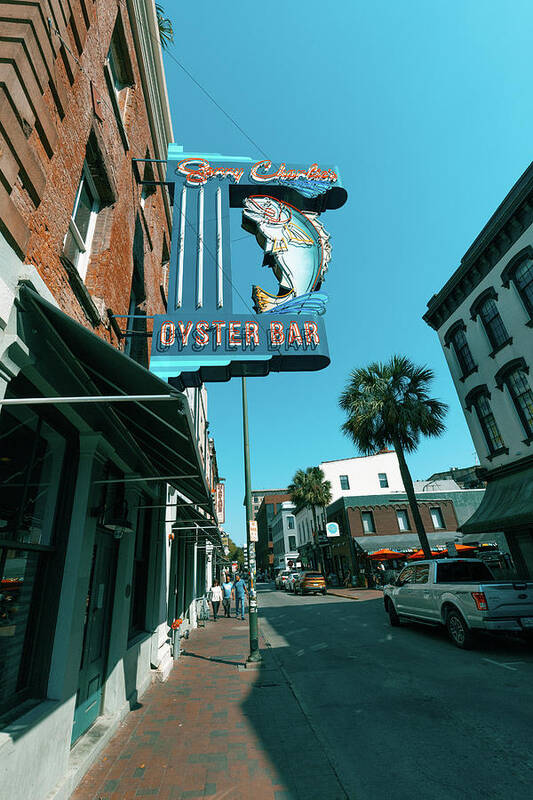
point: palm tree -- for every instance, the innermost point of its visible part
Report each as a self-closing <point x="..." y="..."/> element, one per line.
<point x="389" y="404"/>
<point x="310" y="489"/>
<point x="166" y="31"/>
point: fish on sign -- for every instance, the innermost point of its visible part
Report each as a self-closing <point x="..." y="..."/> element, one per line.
<point x="200" y="338"/>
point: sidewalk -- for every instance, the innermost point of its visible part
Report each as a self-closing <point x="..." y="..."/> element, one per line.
<point x="356" y="593"/>
<point x="217" y="730"/>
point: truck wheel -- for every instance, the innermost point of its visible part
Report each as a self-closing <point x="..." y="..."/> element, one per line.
<point x="458" y="630"/>
<point x="394" y="619"/>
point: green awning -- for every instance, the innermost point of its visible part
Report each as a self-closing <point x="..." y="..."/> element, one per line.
<point x="507" y="503"/>
<point x="156" y="439"/>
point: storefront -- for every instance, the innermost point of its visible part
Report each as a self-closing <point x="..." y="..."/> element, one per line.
<point x="85" y="559"/>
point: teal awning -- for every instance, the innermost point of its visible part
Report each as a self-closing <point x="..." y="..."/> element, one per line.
<point x="156" y="439"/>
<point x="507" y="503"/>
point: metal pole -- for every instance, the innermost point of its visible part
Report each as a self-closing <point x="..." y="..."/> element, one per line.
<point x="255" y="655"/>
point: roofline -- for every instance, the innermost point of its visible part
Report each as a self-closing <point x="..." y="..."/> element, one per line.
<point x="353" y="458"/>
<point x="517" y="195"/>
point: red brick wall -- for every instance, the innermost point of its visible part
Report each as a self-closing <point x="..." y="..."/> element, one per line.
<point x="49" y="146"/>
<point x="386" y="522"/>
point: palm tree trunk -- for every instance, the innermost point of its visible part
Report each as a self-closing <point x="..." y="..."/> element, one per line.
<point x="410" y="491"/>
<point x="320" y="561"/>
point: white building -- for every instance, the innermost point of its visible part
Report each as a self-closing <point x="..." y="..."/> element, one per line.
<point x="363" y="475"/>
<point x="284" y="536"/>
<point x="484" y="319"/>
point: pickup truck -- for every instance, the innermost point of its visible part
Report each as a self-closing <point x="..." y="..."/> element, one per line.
<point x="462" y="595"/>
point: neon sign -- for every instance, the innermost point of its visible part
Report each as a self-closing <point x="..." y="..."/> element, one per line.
<point x="201" y="338"/>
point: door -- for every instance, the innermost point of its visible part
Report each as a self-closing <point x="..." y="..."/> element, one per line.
<point x="402" y="591"/>
<point x="98" y="609"/>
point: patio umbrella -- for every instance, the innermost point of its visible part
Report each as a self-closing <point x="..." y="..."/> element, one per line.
<point x="462" y="548"/>
<point x="420" y="554"/>
<point x="385" y="555"/>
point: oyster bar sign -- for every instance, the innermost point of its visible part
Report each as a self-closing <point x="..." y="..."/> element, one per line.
<point x="201" y="338"/>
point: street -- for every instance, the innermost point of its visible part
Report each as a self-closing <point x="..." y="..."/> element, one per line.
<point x="402" y="711"/>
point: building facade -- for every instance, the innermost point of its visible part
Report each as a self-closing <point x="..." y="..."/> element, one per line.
<point x="267" y="509"/>
<point x="370" y="523"/>
<point x="284" y="537"/>
<point x="484" y="318"/>
<point x="361" y="475"/>
<point x="88" y="478"/>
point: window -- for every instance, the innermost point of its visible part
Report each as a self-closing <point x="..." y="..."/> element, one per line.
<point x="383" y="482"/>
<point x="406" y="576"/>
<point x="292" y="543"/>
<point x="485" y="306"/>
<point x="31" y="472"/>
<point x="290" y="522"/>
<point x="77" y="243"/>
<point x="119" y="74"/>
<point x="403" y="520"/>
<point x="479" y="399"/>
<point x="462" y="572"/>
<point x="139" y="582"/>
<point x="456" y="337"/>
<point x="345" y="483"/>
<point x="437" y="518"/>
<point x="514" y="376"/>
<point x="422" y="573"/>
<point x="368" y="522"/>
<point x="523" y="279"/>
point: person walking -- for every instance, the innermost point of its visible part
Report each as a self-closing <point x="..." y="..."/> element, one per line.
<point x="239" y="591"/>
<point x="216" y="597"/>
<point x="227" y="587"/>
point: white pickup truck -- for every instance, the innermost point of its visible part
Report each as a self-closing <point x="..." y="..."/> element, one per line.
<point x="462" y="594"/>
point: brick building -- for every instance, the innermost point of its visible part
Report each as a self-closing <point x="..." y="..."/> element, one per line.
<point x="271" y="500"/>
<point x="90" y="574"/>
<point x="369" y="523"/>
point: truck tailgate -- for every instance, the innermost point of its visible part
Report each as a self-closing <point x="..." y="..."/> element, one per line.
<point x="509" y="599"/>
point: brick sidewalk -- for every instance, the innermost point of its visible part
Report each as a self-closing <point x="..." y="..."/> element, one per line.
<point x="215" y="730"/>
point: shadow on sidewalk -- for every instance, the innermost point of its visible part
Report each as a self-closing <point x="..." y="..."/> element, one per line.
<point x="212" y="658"/>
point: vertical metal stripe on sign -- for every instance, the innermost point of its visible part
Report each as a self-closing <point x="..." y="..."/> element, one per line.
<point x="220" y="273"/>
<point x="200" y="277"/>
<point x="179" y="299"/>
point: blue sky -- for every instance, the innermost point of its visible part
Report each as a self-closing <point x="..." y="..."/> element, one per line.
<point x="426" y="109"/>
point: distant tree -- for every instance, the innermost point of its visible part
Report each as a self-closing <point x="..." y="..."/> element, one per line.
<point x="166" y="31"/>
<point x="310" y="489"/>
<point x="389" y="404"/>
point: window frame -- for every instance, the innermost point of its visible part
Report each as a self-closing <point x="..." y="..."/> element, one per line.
<point x="503" y="379"/>
<point x="472" y="401"/>
<point x="372" y="520"/>
<point x="450" y="340"/>
<point x="438" y="511"/>
<point x="508" y="275"/>
<point x="84" y="246"/>
<point x="403" y="511"/>
<point x="118" y="61"/>
<point x="489" y="324"/>
<point x="383" y="476"/>
<point x="346" y="480"/>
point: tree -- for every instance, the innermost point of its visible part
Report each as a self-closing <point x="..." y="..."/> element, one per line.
<point x="389" y="404"/>
<point x="166" y="31"/>
<point x="309" y="489"/>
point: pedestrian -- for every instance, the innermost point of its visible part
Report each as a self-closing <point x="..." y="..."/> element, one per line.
<point x="238" y="592"/>
<point x="227" y="586"/>
<point x="216" y="597"/>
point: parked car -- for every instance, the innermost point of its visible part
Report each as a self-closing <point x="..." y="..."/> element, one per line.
<point x="289" y="583"/>
<point x="462" y="595"/>
<point x="310" y="582"/>
<point x="281" y="577"/>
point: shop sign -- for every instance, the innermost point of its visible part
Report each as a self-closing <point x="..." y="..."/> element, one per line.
<point x="201" y="338"/>
<point x="252" y="530"/>
<point x="332" y="529"/>
<point x="220" y="502"/>
<point x="234" y="566"/>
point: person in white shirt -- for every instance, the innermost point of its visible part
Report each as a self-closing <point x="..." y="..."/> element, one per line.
<point x="216" y="597"/>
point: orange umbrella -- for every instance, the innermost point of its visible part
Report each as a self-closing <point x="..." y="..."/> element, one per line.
<point x="385" y="555"/>
<point x="420" y="554"/>
<point x="462" y="548"/>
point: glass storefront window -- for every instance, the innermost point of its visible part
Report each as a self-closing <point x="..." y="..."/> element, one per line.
<point x="31" y="458"/>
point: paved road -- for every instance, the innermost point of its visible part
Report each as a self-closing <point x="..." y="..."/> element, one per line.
<point x="401" y="712"/>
